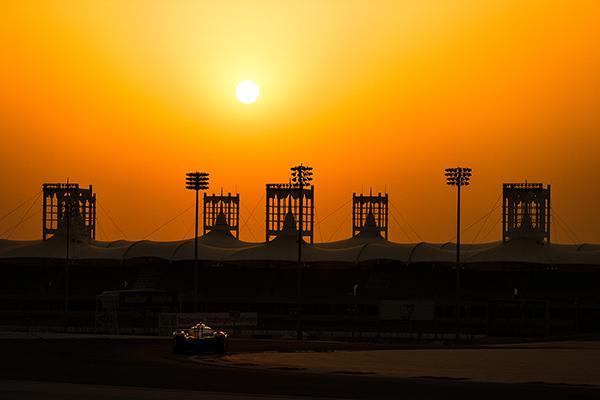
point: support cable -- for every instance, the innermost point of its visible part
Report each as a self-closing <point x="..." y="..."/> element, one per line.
<point x="20" y="205"/>
<point x="492" y="228"/>
<point x="102" y="233"/>
<point x="318" y="226"/>
<point x="333" y="212"/>
<point x="245" y="223"/>
<point x="251" y="216"/>
<point x="22" y="222"/>
<point x="169" y="221"/>
<point x="337" y="229"/>
<point x="563" y="228"/>
<point x="563" y="222"/>
<point x="112" y="220"/>
<point x="487" y="217"/>
<point x="23" y="218"/>
<point x="402" y="229"/>
<point x="188" y="231"/>
<point x="407" y="223"/>
<point x="252" y="213"/>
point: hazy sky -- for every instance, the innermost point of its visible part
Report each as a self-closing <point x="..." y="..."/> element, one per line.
<point x="130" y="95"/>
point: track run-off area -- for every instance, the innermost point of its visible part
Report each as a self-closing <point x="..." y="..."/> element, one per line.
<point x="96" y="367"/>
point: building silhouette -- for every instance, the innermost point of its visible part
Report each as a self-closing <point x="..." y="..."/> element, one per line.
<point x="523" y="285"/>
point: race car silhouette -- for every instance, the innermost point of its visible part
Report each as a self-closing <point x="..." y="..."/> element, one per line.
<point x="199" y="338"/>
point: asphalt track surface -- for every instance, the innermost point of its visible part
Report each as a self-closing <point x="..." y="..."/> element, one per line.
<point x="30" y="390"/>
<point x="149" y="364"/>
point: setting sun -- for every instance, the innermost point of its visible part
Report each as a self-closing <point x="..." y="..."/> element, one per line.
<point x="300" y="199"/>
<point x="247" y="92"/>
<point x="387" y="88"/>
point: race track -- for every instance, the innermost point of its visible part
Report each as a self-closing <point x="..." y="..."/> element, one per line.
<point x="149" y="364"/>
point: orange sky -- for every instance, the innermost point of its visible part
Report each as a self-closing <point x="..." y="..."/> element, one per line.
<point x="130" y="95"/>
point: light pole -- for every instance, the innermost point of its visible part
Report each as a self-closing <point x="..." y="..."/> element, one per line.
<point x="68" y="211"/>
<point x="196" y="181"/>
<point x="301" y="177"/>
<point x="458" y="177"/>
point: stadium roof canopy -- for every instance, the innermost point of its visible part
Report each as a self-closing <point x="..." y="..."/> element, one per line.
<point x="220" y="246"/>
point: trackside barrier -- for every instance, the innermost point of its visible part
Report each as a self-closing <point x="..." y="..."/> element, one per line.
<point x="167" y="322"/>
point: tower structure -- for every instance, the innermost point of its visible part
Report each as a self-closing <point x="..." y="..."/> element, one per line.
<point x="67" y="208"/>
<point x="228" y="205"/>
<point x="526" y="211"/>
<point x="363" y="206"/>
<point x="282" y="199"/>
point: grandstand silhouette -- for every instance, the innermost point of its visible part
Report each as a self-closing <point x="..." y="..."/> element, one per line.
<point x="523" y="285"/>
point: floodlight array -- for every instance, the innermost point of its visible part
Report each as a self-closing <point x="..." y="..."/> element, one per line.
<point x="458" y="176"/>
<point x="301" y="175"/>
<point x="196" y="181"/>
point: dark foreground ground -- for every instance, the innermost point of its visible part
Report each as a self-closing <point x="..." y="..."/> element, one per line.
<point x="148" y="363"/>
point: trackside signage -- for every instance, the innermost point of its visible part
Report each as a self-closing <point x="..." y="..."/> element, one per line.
<point x="412" y="310"/>
<point x="215" y="320"/>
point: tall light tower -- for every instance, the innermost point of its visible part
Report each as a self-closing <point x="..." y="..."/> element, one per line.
<point x="196" y="181"/>
<point x="69" y="209"/>
<point x="301" y="177"/>
<point x="458" y="177"/>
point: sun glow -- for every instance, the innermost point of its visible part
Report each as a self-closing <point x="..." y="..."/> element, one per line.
<point x="247" y="92"/>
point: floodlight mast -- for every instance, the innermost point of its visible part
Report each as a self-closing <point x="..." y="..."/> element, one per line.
<point x="301" y="177"/>
<point x="69" y="210"/>
<point x="196" y="181"/>
<point x="458" y="177"/>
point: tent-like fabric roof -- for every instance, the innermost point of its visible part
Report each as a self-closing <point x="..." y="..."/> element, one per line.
<point x="220" y="246"/>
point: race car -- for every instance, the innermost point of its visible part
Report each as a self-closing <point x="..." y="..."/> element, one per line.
<point x="199" y="338"/>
